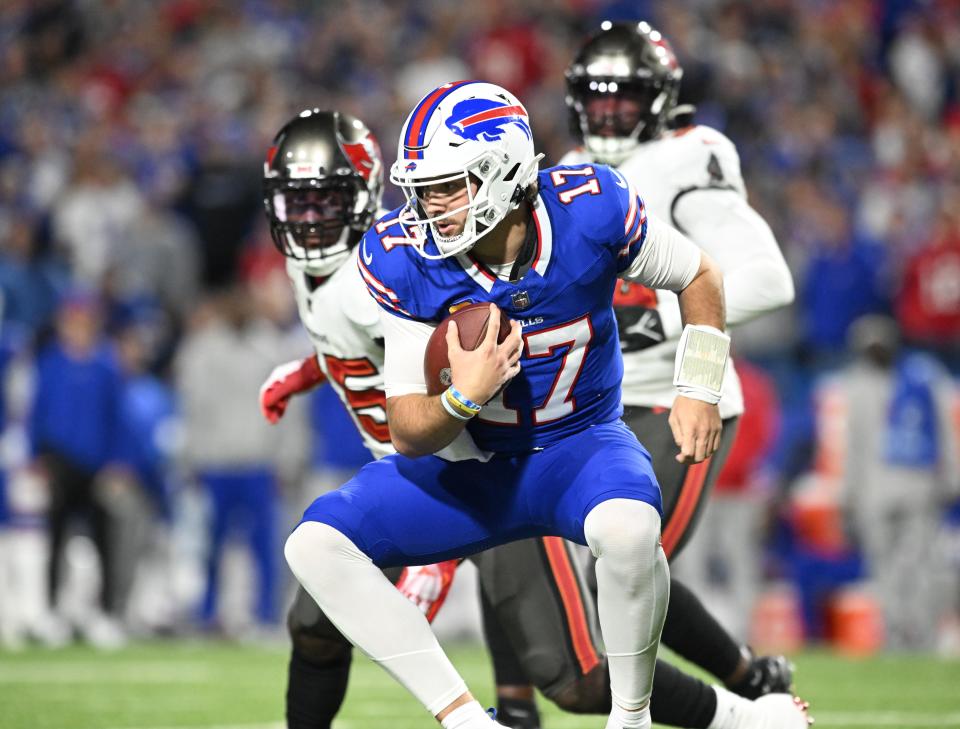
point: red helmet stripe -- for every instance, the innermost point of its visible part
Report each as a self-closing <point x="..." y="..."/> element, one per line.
<point x="421" y="116"/>
<point x="493" y="114"/>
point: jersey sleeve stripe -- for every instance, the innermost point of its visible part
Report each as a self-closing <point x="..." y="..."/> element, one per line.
<point x="641" y="232"/>
<point x="383" y="295"/>
<point x="374" y="284"/>
<point x="631" y="213"/>
<point x="389" y="305"/>
<point x="638" y="219"/>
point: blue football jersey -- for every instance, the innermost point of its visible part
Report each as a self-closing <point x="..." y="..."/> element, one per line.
<point x="590" y="227"/>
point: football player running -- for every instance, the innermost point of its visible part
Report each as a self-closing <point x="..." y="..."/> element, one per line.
<point x="692" y="177"/>
<point x="622" y="93"/>
<point x="527" y="440"/>
<point x="322" y="182"/>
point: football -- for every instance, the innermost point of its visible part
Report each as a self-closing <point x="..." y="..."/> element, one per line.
<point x="472" y="325"/>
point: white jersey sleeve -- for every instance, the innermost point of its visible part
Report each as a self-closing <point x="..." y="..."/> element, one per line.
<point x="755" y="275"/>
<point x="405" y="342"/>
<point x="691" y="178"/>
<point x="343" y="323"/>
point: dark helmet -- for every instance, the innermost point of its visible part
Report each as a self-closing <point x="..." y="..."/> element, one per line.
<point x="322" y="183"/>
<point x="622" y="89"/>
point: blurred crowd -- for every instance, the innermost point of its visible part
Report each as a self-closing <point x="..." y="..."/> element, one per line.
<point x="143" y="302"/>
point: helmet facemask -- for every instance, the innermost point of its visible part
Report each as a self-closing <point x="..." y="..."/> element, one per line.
<point x="628" y="72"/>
<point x="322" y="181"/>
<point x="500" y="186"/>
<point x="614" y="116"/>
<point x="315" y="222"/>
<point x="464" y="133"/>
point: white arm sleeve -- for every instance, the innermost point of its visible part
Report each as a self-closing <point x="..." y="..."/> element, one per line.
<point x="667" y="260"/>
<point x="755" y="275"/>
<point x="405" y="343"/>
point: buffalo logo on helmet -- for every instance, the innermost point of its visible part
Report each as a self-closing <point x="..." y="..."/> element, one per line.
<point x="473" y="118"/>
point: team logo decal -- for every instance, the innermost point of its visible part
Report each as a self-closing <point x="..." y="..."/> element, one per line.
<point x="520" y="299"/>
<point x="473" y="118"/>
<point x="665" y="52"/>
<point x="410" y="167"/>
<point x="364" y="156"/>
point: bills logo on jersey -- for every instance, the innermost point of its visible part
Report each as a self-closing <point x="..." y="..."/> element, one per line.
<point x="473" y="118"/>
<point x="364" y="156"/>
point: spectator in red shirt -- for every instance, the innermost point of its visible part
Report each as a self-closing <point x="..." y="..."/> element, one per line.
<point x="928" y="304"/>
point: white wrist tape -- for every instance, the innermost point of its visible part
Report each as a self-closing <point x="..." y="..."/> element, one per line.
<point x="701" y="362"/>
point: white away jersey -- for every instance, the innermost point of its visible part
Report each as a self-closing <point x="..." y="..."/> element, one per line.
<point x="344" y="325"/>
<point x="665" y="172"/>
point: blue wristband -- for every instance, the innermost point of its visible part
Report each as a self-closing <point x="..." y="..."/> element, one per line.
<point x="449" y="407"/>
<point x="464" y="400"/>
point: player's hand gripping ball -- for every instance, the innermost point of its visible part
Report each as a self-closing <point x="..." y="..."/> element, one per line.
<point x="472" y="327"/>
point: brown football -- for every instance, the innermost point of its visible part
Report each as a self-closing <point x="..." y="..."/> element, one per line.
<point x="472" y="326"/>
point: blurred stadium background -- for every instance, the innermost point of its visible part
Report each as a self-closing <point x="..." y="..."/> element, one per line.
<point x="132" y="135"/>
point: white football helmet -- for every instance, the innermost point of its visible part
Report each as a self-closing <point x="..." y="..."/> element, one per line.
<point x="460" y="130"/>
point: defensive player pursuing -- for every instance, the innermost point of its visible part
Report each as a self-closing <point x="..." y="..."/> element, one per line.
<point x="527" y="440"/>
<point x="622" y="93"/>
<point x="322" y="181"/>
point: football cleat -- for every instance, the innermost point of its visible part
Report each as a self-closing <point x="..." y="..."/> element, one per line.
<point x="766" y="675"/>
<point x="492" y="713"/>
<point x="518" y="713"/>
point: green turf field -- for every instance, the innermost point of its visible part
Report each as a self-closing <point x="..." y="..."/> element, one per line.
<point x="221" y="686"/>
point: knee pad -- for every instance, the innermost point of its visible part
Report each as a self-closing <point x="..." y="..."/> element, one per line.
<point x="313" y="636"/>
<point x="623" y="529"/>
<point x="588" y="694"/>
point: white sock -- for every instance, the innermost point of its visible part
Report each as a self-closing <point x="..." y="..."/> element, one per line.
<point x="372" y="614"/>
<point x="623" y="719"/>
<point x="730" y="708"/>
<point x="467" y="716"/>
<point x="633" y="584"/>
